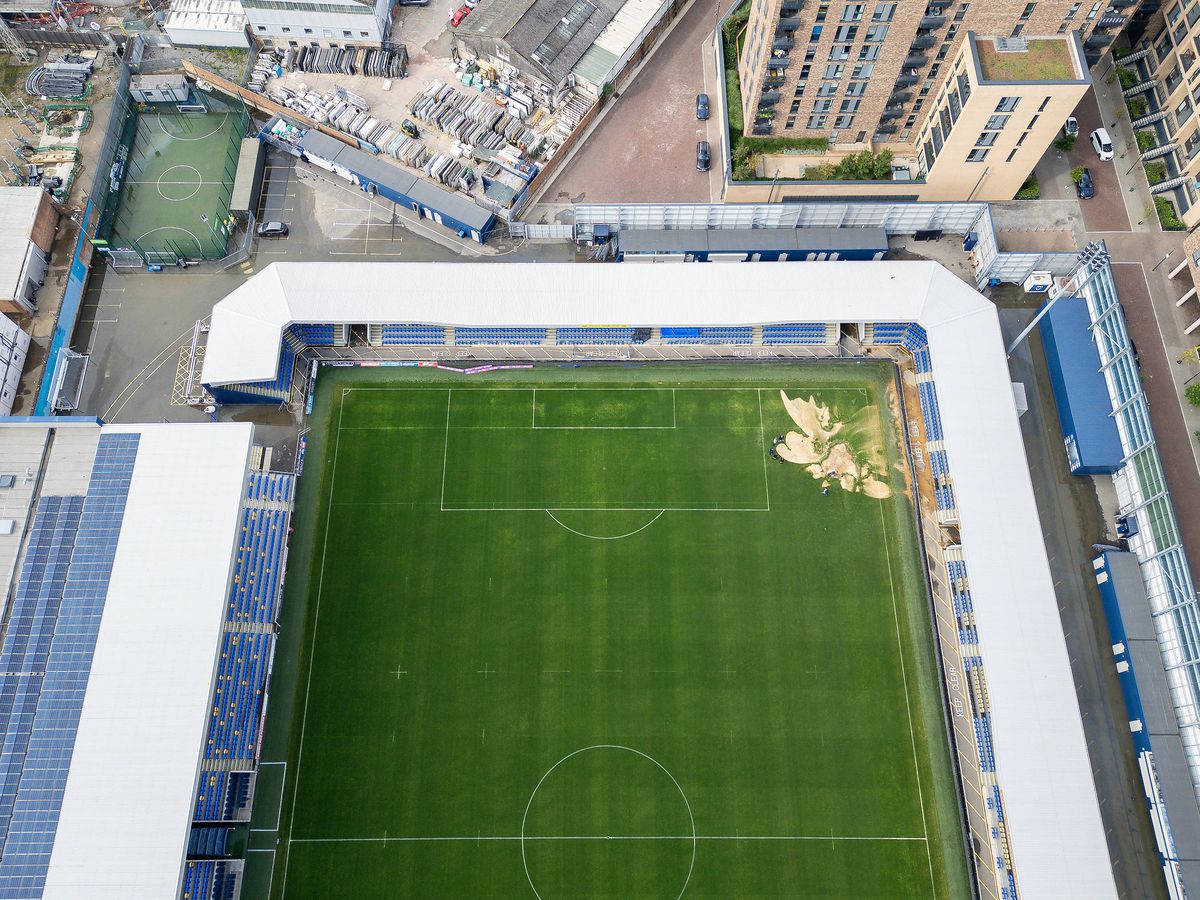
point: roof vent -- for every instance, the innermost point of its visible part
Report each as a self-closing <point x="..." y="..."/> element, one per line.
<point x="1011" y="44"/>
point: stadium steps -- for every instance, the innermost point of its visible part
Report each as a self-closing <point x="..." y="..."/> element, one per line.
<point x="551" y="337"/>
<point x="294" y="341"/>
<point x="655" y="338"/>
<point x="375" y="335"/>
<point x="450" y="335"/>
<point x="756" y="335"/>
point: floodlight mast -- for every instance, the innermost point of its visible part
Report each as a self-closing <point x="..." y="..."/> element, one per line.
<point x="1093" y="258"/>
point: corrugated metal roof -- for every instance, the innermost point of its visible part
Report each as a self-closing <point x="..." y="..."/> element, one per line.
<point x="18" y="212"/>
<point x="747" y="240"/>
<point x="1052" y="811"/>
<point x="206" y="15"/>
<point x="628" y="23"/>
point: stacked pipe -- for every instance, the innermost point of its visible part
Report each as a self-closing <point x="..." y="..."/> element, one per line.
<point x="378" y="62"/>
<point x="45" y="81"/>
<point x="477" y="120"/>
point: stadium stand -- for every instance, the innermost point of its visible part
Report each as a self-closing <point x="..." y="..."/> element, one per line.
<point x="595" y="336"/>
<point x="326" y="335"/>
<point x="258" y="568"/>
<point x="391" y="335"/>
<point x="742" y="334"/>
<point x="499" y="335"/>
<point x="800" y="333"/>
<point x="237" y="698"/>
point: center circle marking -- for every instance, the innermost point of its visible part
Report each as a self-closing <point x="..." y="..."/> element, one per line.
<point x="195" y="190"/>
<point x="645" y="756"/>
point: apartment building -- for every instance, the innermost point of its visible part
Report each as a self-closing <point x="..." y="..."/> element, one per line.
<point x="864" y="74"/>
<point x="325" y="23"/>
<point x="1163" y="94"/>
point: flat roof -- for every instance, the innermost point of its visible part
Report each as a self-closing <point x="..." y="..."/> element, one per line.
<point x="126" y="811"/>
<point x="1055" y="831"/>
<point x="18" y="211"/>
<point x="1042" y="59"/>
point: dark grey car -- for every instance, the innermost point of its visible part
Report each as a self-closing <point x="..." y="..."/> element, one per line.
<point x="703" y="159"/>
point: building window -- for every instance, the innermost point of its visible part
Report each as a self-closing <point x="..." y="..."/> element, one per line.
<point x="850" y="105"/>
<point x="883" y="12"/>
<point x="1044" y="104"/>
<point x="1094" y="11"/>
<point x="363" y="34"/>
<point x="876" y="33"/>
<point x="804" y="71"/>
<point x="868" y="52"/>
<point x="996" y="123"/>
<point x="1183" y="110"/>
<point x="839" y="52"/>
<point x="1007" y="104"/>
<point x="1032" y="122"/>
<point x="795" y="107"/>
<point x="834" y="70"/>
<point x="1193" y="13"/>
<point x="856" y="89"/>
<point x="810" y="54"/>
<point x="816" y="122"/>
<point x="910" y="121"/>
<point x="308" y="31"/>
<point x="1071" y="12"/>
<point x="822" y="12"/>
<point x="816" y="34"/>
<point x="1017" y="29"/>
<point x="846" y="33"/>
<point x="977" y="155"/>
<point x="790" y="123"/>
<point x="262" y="27"/>
<point x="286" y="30"/>
<point x="862" y="71"/>
<point x="943" y="51"/>
<point x="800" y="89"/>
<point x="1062" y="29"/>
<point x="1028" y="11"/>
<point x="827" y="89"/>
<point x="962" y="12"/>
<point x="852" y="12"/>
<point x="987" y="139"/>
<point x="862" y="136"/>
<point x="1011" y="154"/>
<point x="347" y="34"/>
<point x="1192" y="144"/>
<point x="1021" y="139"/>
<point x="844" y="122"/>
<point x="822" y="106"/>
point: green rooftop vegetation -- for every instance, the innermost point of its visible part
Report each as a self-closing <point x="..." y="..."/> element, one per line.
<point x="1043" y="59"/>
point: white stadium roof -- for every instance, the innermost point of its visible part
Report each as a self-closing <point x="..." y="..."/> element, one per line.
<point x="127" y="808"/>
<point x="1051" y="808"/>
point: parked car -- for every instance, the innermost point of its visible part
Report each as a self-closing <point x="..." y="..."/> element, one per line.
<point x="273" y="229"/>
<point x="1071" y="127"/>
<point x="414" y="2"/>
<point x="1103" y="144"/>
<point x="702" y="107"/>
<point x="458" y="15"/>
<point x="470" y="4"/>
<point x="703" y="159"/>
<point x="410" y="128"/>
<point x="1085" y="186"/>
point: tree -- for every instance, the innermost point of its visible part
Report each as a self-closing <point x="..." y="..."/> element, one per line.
<point x="1193" y="394"/>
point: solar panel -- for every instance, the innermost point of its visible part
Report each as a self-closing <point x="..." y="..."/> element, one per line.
<point x="68" y="659"/>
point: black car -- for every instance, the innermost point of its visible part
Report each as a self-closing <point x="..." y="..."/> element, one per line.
<point x="702" y="107"/>
<point x="703" y="160"/>
<point x="273" y="229"/>
<point x="1086" y="187"/>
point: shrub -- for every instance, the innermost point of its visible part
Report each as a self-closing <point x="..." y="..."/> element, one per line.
<point x="1193" y="395"/>
<point x="1065" y="143"/>
<point x="1077" y="174"/>
<point x="1156" y="172"/>
<point x="1030" y="190"/>
<point x="1167" y="217"/>
<point x="1137" y="107"/>
<point x="1147" y="140"/>
<point x="1128" y="77"/>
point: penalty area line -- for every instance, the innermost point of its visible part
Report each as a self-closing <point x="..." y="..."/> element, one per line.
<point x="609" y="837"/>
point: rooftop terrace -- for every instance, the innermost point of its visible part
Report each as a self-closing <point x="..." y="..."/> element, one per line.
<point x="1042" y="59"/>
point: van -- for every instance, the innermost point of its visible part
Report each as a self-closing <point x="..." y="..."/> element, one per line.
<point x="1102" y="144"/>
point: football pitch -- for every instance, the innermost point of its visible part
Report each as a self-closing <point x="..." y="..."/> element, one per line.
<point x="576" y="633"/>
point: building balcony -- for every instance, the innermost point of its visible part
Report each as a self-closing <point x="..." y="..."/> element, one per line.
<point x="891" y="112"/>
<point x="779" y="62"/>
<point x="783" y="43"/>
<point x="1121" y="4"/>
<point x="771" y="82"/>
<point x="1140" y="88"/>
<point x="1112" y="21"/>
<point x="924" y="41"/>
<point x="790" y="7"/>
<point x="768" y="98"/>
<point x="905" y="79"/>
<point x="899" y="97"/>
<point x="1098" y="39"/>
<point x="915" y="61"/>
<point x="931" y="23"/>
<point x="887" y="129"/>
<point x="759" y="130"/>
<point x="787" y="25"/>
<point x="1136" y="55"/>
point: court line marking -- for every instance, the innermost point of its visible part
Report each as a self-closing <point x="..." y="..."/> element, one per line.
<point x="282" y="784"/>
<point x="907" y="703"/>
<point x="445" y="446"/>
<point x="613" y="837"/>
<point x="313" y="644"/>
<point x="199" y="246"/>
<point x="597" y="537"/>
<point x="762" y="433"/>
<point x="175" y="137"/>
<point x="536" y="427"/>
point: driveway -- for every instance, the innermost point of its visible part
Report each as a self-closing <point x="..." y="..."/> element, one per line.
<point x="643" y="149"/>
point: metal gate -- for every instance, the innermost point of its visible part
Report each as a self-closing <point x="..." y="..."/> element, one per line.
<point x="532" y="232"/>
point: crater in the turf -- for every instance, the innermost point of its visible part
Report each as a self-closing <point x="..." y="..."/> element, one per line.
<point x="605" y="524"/>
<point x="609" y="809"/>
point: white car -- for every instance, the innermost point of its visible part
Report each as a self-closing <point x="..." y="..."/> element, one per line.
<point x="1103" y="144"/>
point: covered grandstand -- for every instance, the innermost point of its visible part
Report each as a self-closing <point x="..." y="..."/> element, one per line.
<point x="1021" y="718"/>
<point x="144" y="565"/>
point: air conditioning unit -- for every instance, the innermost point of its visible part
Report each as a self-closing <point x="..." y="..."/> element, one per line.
<point x="1038" y="282"/>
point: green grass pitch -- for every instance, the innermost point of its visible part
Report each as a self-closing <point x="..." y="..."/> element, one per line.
<point x="571" y="633"/>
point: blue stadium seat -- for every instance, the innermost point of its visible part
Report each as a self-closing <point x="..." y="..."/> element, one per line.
<point x="395" y="334"/>
<point x="731" y="335"/>
<point x="795" y="333"/>
<point x="464" y="336"/>
<point x="594" y="336"/>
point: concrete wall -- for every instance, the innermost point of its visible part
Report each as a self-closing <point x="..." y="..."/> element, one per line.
<point x="194" y="37"/>
<point x="345" y="25"/>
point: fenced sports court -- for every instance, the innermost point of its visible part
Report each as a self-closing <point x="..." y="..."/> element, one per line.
<point x="171" y="180"/>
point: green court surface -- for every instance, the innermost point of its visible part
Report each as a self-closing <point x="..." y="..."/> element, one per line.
<point x="178" y="179"/>
<point x="572" y="633"/>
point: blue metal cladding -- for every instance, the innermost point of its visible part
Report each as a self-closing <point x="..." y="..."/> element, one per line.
<point x="30" y="838"/>
<point x="1084" y="407"/>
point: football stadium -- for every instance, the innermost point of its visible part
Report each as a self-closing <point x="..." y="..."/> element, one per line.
<point x="745" y="595"/>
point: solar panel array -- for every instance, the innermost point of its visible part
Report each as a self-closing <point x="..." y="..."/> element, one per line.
<point x="81" y="586"/>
